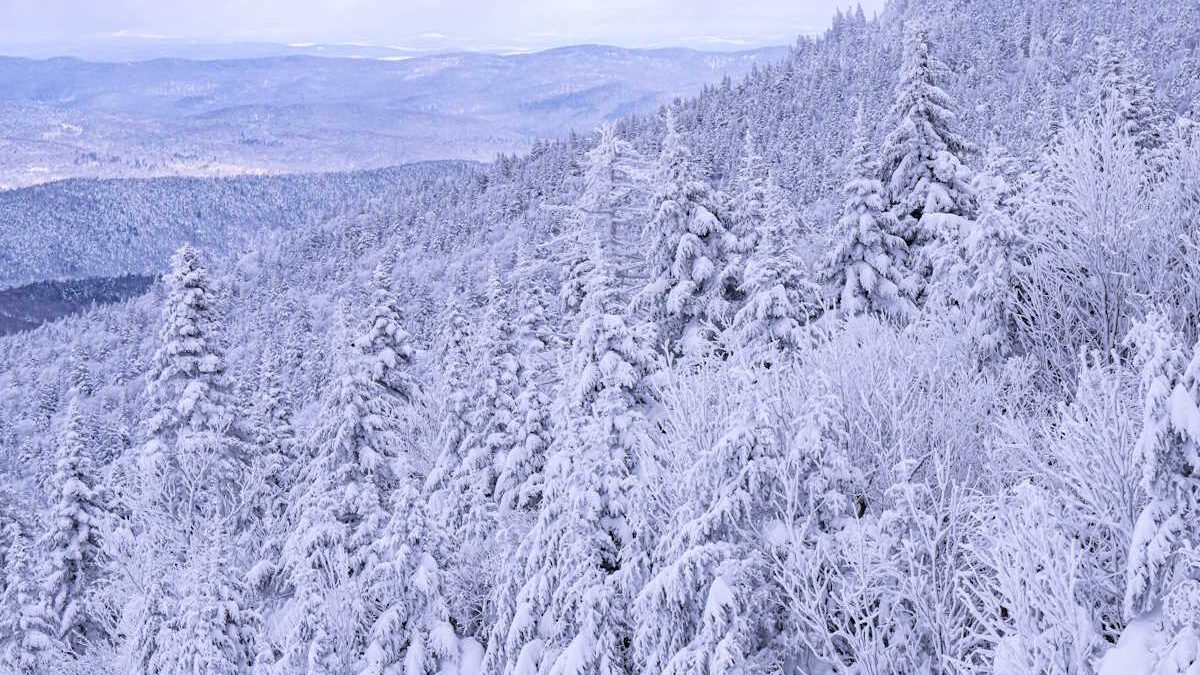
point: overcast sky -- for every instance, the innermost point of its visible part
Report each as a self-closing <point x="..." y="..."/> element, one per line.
<point x="423" y="24"/>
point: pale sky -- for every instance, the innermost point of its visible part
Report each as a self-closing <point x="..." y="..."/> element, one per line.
<point x="423" y="24"/>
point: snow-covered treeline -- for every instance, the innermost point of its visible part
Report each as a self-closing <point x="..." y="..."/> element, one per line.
<point x="673" y="398"/>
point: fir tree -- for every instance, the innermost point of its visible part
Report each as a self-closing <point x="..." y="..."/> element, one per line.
<point x="779" y="299"/>
<point x="614" y="190"/>
<point x="491" y="438"/>
<point x="386" y="344"/>
<point x="686" y="251"/>
<point x="29" y="638"/>
<point x="586" y="555"/>
<point x="994" y="252"/>
<point x="455" y="355"/>
<point x="928" y="185"/>
<point x="72" y="545"/>
<point x="413" y="634"/>
<point x="195" y="452"/>
<point x="213" y="631"/>
<point x="1169" y="446"/>
<point x="1122" y="85"/>
<point x="519" y="483"/>
<point x="866" y="271"/>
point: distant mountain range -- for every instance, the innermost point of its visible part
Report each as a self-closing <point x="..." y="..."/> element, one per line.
<point x="64" y="117"/>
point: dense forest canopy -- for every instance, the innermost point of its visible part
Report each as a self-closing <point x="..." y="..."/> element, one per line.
<point x="883" y="360"/>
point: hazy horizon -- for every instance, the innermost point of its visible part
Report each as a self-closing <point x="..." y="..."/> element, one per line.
<point x="137" y="28"/>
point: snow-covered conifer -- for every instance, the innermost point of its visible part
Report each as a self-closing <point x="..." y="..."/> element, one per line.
<point x="928" y="185"/>
<point x="72" y="546"/>
<point x="585" y="558"/>
<point x="195" y="453"/>
<point x="1169" y="446"/>
<point x="867" y="269"/>
<point x="994" y="250"/>
<point x="28" y="642"/>
<point x="412" y="633"/>
<point x="213" y="630"/>
<point x="519" y="483"/>
<point x="386" y="344"/>
<point x="610" y="206"/>
<point x="686" y="251"/>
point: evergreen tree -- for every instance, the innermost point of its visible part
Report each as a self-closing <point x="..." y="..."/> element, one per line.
<point x="195" y="452"/>
<point x="686" y="251"/>
<point x="610" y="205"/>
<point x="413" y="634"/>
<point x="455" y="354"/>
<point x="1122" y="85"/>
<point x="713" y="605"/>
<point x="213" y="631"/>
<point x="1165" y="535"/>
<point x="278" y="466"/>
<point x="491" y="437"/>
<point x="866" y="271"/>
<point x="928" y="185"/>
<point x="28" y="639"/>
<point x="386" y="343"/>
<point x="519" y="483"/>
<point x="72" y="546"/>
<point x="747" y="213"/>
<point x="190" y="468"/>
<point x="586" y="556"/>
<point x="995" y="248"/>
<point x="779" y="299"/>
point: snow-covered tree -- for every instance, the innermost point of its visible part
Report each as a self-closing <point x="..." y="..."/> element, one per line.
<point x="773" y="299"/>
<point x="866" y="271"/>
<point x="386" y="344"/>
<point x="488" y="443"/>
<point x="455" y="359"/>
<point x="29" y="637"/>
<point x="343" y="506"/>
<point x="714" y="604"/>
<point x="1162" y="553"/>
<point x="413" y="634"/>
<point x="277" y="467"/>
<point x="213" y="630"/>
<point x="585" y="557"/>
<point x="72" y="546"/>
<point x="520" y="481"/>
<point x="995" y="247"/>
<point x="195" y="453"/>
<point x="928" y="185"/>
<point x="610" y="206"/>
<point x="686" y="251"/>
<point x="1119" y="82"/>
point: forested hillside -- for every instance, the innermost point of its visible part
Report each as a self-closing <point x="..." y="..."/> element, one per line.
<point x="881" y="361"/>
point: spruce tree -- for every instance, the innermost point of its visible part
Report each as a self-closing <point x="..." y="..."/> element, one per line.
<point x="195" y="453"/>
<point x="72" y="546"/>
<point x="866" y="271"/>
<point x="610" y="206"/>
<point x="1169" y="446"/>
<point x="928" y="185"/>
<point x="519" y="483"/>
<point x="491" y="438"/>
<point x="455" y="354"/>
<point x="586" y="555"/>
<point x="1119" y="84"/>
<point x="686" y="251"/>
<point x="779" y="300"/>
<point x="995" y="250"/>
<point x="28" y="642"/>
<point x="213" y="630"/>
<point x="386" y="344"/>
<point x="412" y="633"/>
